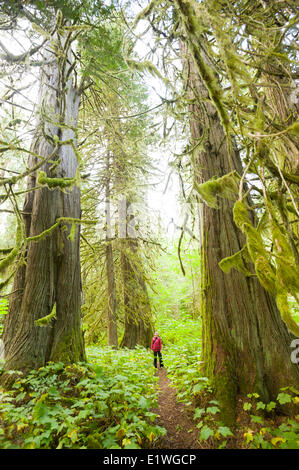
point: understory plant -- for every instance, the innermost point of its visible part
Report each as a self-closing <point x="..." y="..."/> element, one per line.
<point x="267" y="430"/>
<point x="105" y="403"/>
<point x="210" y="426"/>
<point x="181" y="354"/>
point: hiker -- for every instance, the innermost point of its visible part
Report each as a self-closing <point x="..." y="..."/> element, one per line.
<point x="156" y="348"/>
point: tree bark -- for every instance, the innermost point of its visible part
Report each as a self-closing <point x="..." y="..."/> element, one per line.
<point x="51" y="276"/>
<point x="111" y="286"/>
<point x="246" y="345"/>
<point x="138" y="325"/>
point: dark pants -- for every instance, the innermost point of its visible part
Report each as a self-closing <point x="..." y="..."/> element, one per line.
<point x="158" y="353"/>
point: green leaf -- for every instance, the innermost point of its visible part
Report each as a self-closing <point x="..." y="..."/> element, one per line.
<point x="213" y="410"/>
<point x="143" y="403"/>
<point x="256" y="419"/>
<point x="224" y="431"/>
<point x="197" y="388"/>
<point x="198" y="412"/>
<point x="260" y="405"/>
<point x="283" y="398"/>
<point x="247" y="406"/>
<point x="132" y="445"/>
<point x="205" y="433"/>
<point x="214" y="402"/>
<point x="270" y="406"/>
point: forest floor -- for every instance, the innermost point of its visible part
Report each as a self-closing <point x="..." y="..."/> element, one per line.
<point x="182" y="432"/>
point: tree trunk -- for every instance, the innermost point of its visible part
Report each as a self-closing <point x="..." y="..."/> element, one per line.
<point x="111" y="286"/>
<point x="51" y="276"/>
<point x="246" y="345"/>
<point x="138" y="325"/>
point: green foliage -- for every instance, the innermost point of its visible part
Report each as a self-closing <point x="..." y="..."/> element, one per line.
<point x="181" y="345"/>
<point x="102" y="404"/>
<point x="173" y="293"/>
<point x="3" y="311"/>
<point x="209" y="426"/>
<point x="263" y="433"/>
<point x="279" y="276"/>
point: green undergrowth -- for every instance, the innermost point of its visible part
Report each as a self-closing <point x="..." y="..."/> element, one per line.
<point x="181" y="355"/>
<point x="105" y="403"/>
<point x="264" y="429"/>
<point x="258" y="425"/>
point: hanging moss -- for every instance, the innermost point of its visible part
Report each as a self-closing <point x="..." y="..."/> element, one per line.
<point x="265" y="273"/>
<point x="264" y="225"/>
<point x="226" y="186"/>
<point x="287" y="270"/>
<point x="208" y="192"/>
<point x="235" y="261"/>
<point x="146" y="66"/>
<point x="240" y="214"/>
<point x="254" y="242"/>
<point x="145" y="12"/>
<point x="293" y="129"/>
<point x="282" y="279"/>
<point x="283" y="306"/>
<point x="288" y="276"/>
<point x="9" y="258"/>
<point x="264" y="270"/>
<point x="72" y="233"/>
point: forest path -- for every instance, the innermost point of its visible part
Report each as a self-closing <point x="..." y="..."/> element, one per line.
<point x="182" y="432"/>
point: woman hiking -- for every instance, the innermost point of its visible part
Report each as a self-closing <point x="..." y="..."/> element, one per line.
<point x="156" y="348"/>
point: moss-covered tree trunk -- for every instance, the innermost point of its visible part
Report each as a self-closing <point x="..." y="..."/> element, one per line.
<point x="111" y="285"/>
<point x="246" y="345"/>
<point x="138" y="325"/>
<point x="49" y="279"/>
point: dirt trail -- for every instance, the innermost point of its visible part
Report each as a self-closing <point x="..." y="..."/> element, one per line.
<point x="173" y="416"/>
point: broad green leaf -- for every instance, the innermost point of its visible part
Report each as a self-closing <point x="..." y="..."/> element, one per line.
<point x="224" y="431"/>
<point x="256" y="419"/>
<point x="199" y="412"/>
<point x="270" y="406"/>
<point x="283" y="398"/>
<point x="205" y="433"/>
<point x="260" y="405"/>
<point x="212" y="409"/>
<point x="247" y="406"/>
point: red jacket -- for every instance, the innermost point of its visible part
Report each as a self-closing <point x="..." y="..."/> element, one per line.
<point x="156" y="344"/>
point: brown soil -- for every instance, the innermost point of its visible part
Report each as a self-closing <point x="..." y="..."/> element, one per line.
<point x="182" y="432"/>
